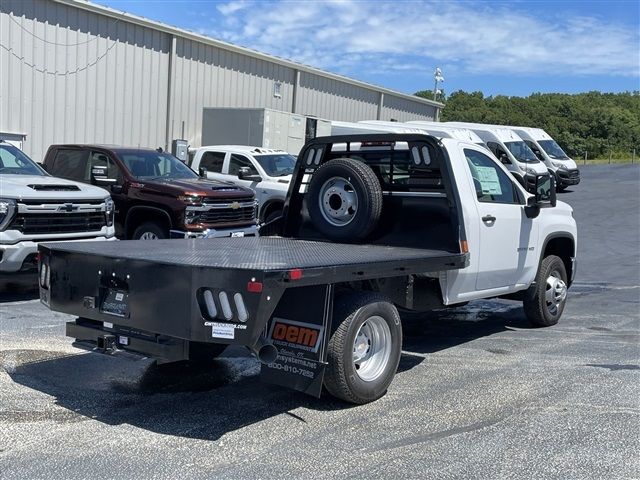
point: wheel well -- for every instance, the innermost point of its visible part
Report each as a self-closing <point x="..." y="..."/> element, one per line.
<point x="270" y="207"/>
<point x="561" y="247"/>
<point x="140" y="215"/>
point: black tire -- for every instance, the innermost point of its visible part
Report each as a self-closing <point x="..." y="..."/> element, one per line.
<point x="362" y="183"/>
<point x="341" y="378"/>
<point x="149" y="228"/>
<point x="205" y="352"/>
<point x="272" y="215"/>
<point x="537" y="308"/>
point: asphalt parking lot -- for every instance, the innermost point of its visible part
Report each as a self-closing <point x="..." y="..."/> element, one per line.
<point x="478" y="394"/>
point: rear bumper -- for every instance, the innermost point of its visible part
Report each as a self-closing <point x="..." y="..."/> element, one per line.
<point x="250" y="231"/>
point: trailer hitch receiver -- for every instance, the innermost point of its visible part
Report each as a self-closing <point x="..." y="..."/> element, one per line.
<point x="107" y="343"/>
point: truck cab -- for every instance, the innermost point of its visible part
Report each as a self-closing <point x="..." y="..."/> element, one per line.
<point x="548" y="151"/>
<point x="155" y="194"/>
<point x="266" y="171"/>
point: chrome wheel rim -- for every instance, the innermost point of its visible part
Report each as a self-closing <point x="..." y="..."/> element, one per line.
<point x="148" y="236"/>
<point x="555" y="292"/>
<point x="338" y="201"/>
<point x="372" y="348"/>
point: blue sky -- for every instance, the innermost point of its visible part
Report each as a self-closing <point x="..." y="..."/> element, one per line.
<point x="508" y="48"/>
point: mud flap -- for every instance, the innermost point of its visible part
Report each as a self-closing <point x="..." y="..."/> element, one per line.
<point x="300" y="329"/>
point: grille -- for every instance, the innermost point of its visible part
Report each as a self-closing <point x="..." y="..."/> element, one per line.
<point x="218" y="201"/>
<point x="228" y="215"/>
<point x="43" y="223"/>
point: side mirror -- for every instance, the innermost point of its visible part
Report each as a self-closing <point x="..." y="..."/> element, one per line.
<point x="545" y="195"/>
<point x="202" y="171"/>
<point x="545" y="191"/>
<point x="116" y="188"/>
<point x="244" y="173"/>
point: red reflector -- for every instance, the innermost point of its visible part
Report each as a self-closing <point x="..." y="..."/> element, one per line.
<point x="295" y="274"/>
<point x="254" y="287"/>
<point x="37" y="257"/>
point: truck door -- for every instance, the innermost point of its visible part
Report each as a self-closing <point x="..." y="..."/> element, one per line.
<point x="236" y="162"/>
<point x="506" y="235"/>
<point x="213" y="162"/>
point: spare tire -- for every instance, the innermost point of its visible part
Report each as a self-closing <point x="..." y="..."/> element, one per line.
<point x="344" y="199"/>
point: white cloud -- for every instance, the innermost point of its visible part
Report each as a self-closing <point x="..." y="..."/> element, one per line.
<point x="350" y="36"/>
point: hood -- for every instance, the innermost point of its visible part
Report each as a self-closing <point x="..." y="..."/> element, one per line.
<point x="38" y="187"/>
<point x="538" y="167"/>
<point x="197" y="186"/>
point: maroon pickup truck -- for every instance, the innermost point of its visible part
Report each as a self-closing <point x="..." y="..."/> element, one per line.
<point x="157" y="196"/>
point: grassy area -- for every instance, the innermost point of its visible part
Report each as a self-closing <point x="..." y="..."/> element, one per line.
<point x="602" y="161"/>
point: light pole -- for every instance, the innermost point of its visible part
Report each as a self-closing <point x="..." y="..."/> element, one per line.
<point x="437" y="78"/>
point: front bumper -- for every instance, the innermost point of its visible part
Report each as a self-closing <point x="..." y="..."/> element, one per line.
<point x="16" y="257"/>
<point x="568" y="177"/>
<point x="250" y="231"/>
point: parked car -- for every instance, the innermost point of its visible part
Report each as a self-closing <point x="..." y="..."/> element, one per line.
<point x="34" y="207"/>
<point x="266" y="171"/>
<point x="155" y="194"/>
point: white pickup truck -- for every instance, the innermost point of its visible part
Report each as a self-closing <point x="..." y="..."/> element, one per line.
<point x="266" y="171"/>
<point x="372" y="223"/>
<point x="36" y="207"/>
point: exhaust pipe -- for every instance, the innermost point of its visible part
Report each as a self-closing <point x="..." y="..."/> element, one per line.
<point x="264" y="350"/>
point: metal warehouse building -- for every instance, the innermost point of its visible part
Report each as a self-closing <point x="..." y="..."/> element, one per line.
<point x="72" y="71"/>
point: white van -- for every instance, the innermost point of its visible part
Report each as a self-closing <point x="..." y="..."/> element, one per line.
<point x="510" y="149"/>
<point x="547" y="150"/>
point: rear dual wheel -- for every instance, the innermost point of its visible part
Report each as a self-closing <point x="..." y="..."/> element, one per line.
<point x="364" y="349"/>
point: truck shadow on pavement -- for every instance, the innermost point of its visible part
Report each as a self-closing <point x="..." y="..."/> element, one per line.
<point x="208" y="402"/>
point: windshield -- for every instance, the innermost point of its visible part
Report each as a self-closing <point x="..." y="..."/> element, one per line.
<point x="279" y="165"/>
<point x="147" y="165"/>
<point x="522" y="152"/>
<point x="14" y="162"/>
<point x="553" y="149"/>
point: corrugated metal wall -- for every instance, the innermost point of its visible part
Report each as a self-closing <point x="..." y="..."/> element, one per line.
<point x="206" y="76"/>
<point x="83" y="77"/>
<point x="403" y="110"/>
<point x="333" y="100"/>
<point x="72" y="75"/>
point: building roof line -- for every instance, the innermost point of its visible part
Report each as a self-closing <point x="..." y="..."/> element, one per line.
<point x="144" y="22"/>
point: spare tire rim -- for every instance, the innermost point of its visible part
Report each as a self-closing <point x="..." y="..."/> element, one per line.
<point x="148" y="236"/>
<point x="555" y="292"/>
<point x="372" y="348"/>
<point x="338" y="201"/>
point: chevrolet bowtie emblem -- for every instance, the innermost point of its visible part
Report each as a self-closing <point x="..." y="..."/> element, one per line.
<point x="235" y="205"/>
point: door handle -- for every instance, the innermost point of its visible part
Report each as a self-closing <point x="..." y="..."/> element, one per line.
<point x="488" y="219"/>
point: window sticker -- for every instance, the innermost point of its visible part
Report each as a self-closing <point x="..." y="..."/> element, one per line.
<point x="488" y="178"/>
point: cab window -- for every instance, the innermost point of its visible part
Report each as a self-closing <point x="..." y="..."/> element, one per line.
<point x="239" y="161"/>
<point x="212" y="161"/>
<point x="491" y="183"/>
<point x="70" y="164"/>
